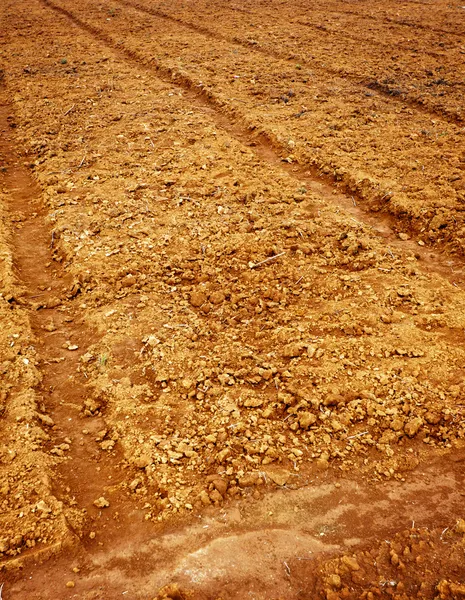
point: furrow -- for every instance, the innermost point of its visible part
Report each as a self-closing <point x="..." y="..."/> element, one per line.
<point x="393" y="94"/>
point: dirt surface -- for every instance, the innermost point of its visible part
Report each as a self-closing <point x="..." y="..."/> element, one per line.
<point x="232" y="300"/>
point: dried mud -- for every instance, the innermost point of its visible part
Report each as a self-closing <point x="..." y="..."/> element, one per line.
<point x="232" y="298"/>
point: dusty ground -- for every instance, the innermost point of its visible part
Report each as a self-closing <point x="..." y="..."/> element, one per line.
<point x="232" y="300"/>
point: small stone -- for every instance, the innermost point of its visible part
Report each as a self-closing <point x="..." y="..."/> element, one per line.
<point x="46" y="420"/>
<point x="248" y="480"/>
<point x="204" y="498"/>
<point x="403" y="236"/>
<point x="332" y="399"/>
<point x="197" y="299"/>
<point x="70" y="584"/>
<point x="73" y="347"/>
<point x="397" y="424"/>
<point x="135" y="483"/>
<point x="128" y="281"/>
<point x="292" y="350"/>
<point x="311" y="351"/>
<point x="221" y="485"/>
<point x="306" y="419"/>
<point x="87" y="357"/>
<point x="221" y="456"/>
<point x="142" y="461"/>
<point x="334" y="581"/>
<point x="411" y="428"/>
<point x="253" y="402"/>
<point x="351" y="562"/>
<point x="278" y="476"/>
<point x="101" y="502"/>
<point x="43" y="507"/>
<point x="322" y="463"/>
<point x="107" y="445"/>
<point x="215" y="496"/>
<point x="217" y="297"/>
<point x="92" y="535"/>
<point x="460" y="526"/>
<point x="432" y="418"/>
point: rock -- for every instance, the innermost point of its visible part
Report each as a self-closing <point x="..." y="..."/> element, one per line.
<point x="332" y="595"/>
<point x="142" y="461"/>
<point x="322" y="463"/>
<point x="351" y="563"/>
<point x="46" y="420"/>
<point x="432" y="418"/>
<point x="204" y="498"/>
<point x="278" y="475"/>
<point x="70" y="584"/>
<point x="215" y="496"/>
<point x="101" y="502"/>
<point x="306" y="419"/>
<point x="216" y="298"/>
<point x="221" y="485"/>
<point x="87" y="357"/>
<point x="460" y="526"/>
<point x="128" y="281"/>
<point x="332" y="399"/>
<point x="91" y="406"/>
<point x="403" y="236"/>
<point x="43" y="507"/>
<point x="135" y="483"/>
<point x="311" y="351"/>
<point x="253" y="402"/>
<point x="334" y="581"/>
<point x="197" y="299"/>
<point x="249" y="479"/>
<point x="397" y="424"/>
<point x="411" y="428"/>
<point x="292" y="350"/>
<point x="107" y="445"/>
<point x="221" y="456"/>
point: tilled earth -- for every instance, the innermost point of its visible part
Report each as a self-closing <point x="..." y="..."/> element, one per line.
<point x="232" y="299"/>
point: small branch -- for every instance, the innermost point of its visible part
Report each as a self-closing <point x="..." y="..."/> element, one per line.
<point x="262" y="262"/>
<point x="351" y="437"/>
<point x="69" y="110"/>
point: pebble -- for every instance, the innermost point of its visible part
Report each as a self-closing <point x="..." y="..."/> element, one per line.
<point x="101" y="502"/>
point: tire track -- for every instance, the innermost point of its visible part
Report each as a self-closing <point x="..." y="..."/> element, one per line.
<point x="268" y="149"/>
<point x="380" y="19"/>
<point x="343" y="34"/>
<point x="388" y="20"/>
<point x="394" y="95"/>
<point x="83" y="471"/>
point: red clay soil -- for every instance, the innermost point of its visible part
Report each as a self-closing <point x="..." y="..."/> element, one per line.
<point x="232" y="300"/>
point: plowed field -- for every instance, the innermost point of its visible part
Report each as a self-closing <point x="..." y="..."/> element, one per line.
<point x="232" y="298"/>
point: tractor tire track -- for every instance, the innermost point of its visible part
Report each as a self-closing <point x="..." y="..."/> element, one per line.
<point x="83" y="471"/>
<point x="383" y="90"/>
<point x="267" y="149"/>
